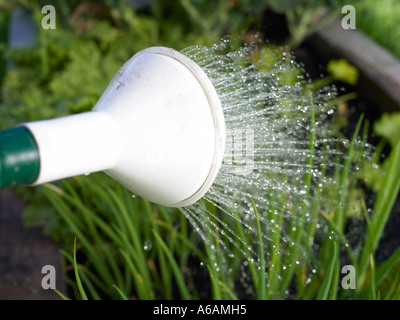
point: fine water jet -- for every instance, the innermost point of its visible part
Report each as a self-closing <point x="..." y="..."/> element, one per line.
<point x="158" y="129"/>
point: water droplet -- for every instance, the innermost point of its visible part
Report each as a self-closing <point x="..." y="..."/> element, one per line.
<point x="148" y="245"/>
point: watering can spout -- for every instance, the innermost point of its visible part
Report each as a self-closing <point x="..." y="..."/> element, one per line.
<point x="158" y="129"/>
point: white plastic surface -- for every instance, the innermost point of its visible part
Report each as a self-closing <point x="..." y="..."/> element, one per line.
<point x="158" y="129"/>
<point x="74" y="145"/>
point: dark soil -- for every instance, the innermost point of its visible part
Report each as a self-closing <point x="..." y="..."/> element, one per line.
<point x="23" y="253"/>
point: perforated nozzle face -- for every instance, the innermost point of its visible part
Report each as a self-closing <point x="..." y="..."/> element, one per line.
<point x="215" y="108"/>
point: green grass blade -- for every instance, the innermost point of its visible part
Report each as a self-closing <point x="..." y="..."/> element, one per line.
<point x="140" y="286"/>
<point x="275" y="264"/>
<point x="64" y="297"/>
<point x="230" y="293"/>
<point x="68" y="217"/>
<point x="175" y="268"/>
<point x="296" y="229"/>
<point x="90" y="288"/>
<point x="327" y="283"/>
<point x="392" y="288"/>
<point x="372" y="284"/>
<point x="335" y="282"/>
<point x="385" y="268"/>
<point x="78" y="279"/>
<point x="381" y="211"/>
<point x="344" y="177"/>
<point x="133" y="233"/>
<point x="214" y="283"/>
<point x="88" y="277"/>
<point x="120" y="292"/>
<point x="261" y="292"/>
<point x="396" y="295"/>
<point x="242" y="235"/>
<point x="94" y="225"/>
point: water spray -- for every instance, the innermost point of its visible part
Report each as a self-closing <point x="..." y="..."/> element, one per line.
<point x="239" y="129"/>
<point x="158" y="129"/>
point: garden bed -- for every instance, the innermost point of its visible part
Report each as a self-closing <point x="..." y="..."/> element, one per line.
<point x="377" y="89"/>
<point x="379" y="80"/>
<point x="376" y="92"/>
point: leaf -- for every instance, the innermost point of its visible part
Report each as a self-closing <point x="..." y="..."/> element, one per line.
<point x="175" y="267"/>
<point x="261" y="293"/>
<point x="327" y="284"/>
<point x="78" y="279"/>
<point x="121" y="293"/>
<point x="62" y="296"/>
<point x="388" y="127"/>
<point x="343" y="71"/>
